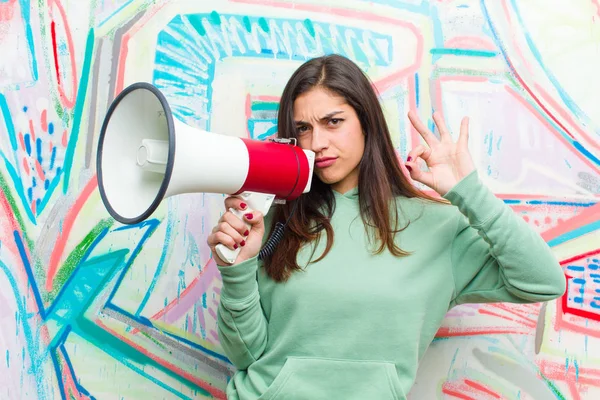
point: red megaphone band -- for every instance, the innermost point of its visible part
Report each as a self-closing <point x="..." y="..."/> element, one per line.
<point x="276" y="168"/>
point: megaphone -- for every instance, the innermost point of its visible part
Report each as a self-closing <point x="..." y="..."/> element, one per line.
<point x="146" y="155"/>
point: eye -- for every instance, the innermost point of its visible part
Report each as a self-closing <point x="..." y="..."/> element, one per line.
<point x="335" y="121"/>
<point x="301" y="129"/>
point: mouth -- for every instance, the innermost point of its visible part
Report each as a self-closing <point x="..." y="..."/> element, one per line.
<point x="325" y="162"/>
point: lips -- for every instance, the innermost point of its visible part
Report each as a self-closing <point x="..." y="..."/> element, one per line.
<point x="324" y="162"/>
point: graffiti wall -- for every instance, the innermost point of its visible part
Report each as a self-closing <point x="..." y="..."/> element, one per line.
<point x="91" y="308"/>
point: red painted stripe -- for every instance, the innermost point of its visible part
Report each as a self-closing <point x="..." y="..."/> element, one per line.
<point x="55" y="50"/>
<point x="276" y="168"/>
<point x="479" y="386"/>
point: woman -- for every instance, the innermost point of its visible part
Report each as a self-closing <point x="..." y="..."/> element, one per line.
<point x="368" y="266"/>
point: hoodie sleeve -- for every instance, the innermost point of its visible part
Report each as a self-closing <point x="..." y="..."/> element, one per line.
<point x="241" y="322"/>
<point x="496" y="256"/>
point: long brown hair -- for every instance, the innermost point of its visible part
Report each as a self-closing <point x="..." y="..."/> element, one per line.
<point x="380" y="177"/>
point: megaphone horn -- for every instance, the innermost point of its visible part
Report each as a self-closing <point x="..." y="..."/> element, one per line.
<point x="146" y="155"/>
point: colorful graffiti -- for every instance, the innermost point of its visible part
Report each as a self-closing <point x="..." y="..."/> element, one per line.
<point x="94" y="309"/>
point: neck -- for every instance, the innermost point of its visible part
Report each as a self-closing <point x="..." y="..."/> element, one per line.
<point x="346" y="184"/>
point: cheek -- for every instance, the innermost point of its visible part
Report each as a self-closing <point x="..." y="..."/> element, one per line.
<point x="358" y="146"/>
<point x="304" y="142"/>
<point x="361" y="149"/>
<point x="355" y="139"/>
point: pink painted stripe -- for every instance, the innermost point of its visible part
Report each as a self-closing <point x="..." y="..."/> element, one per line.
<point x="271" y="99"/>
<point x="219" y="394"/>
<point x="543" y="94"/>
<point x="481" y="388"/>
<point x="586" y="217"/>
<point x="39" y="170"/>
<point x="124" y="48"/>
<point x="186" y="299"/>
<point x="44" y="120"/>
<point x="26" y="166"/>
<point x="556" y="134"/>
<point x="31" y="131"/>
<point x="471" y="43"/>
<point x="384" y="83"/>
<point x="63" y="237"/>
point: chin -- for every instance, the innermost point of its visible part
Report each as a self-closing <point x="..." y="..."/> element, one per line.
<point x="328" y="179"/>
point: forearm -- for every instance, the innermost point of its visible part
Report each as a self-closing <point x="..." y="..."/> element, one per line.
<point x="524" y="261"/>
<point x="242" y="325"/>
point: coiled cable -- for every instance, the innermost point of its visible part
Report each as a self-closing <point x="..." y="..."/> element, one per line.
<point x="271" y="244"/>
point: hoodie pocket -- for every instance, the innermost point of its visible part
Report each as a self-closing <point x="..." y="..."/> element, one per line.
<point x="323" y="378"/>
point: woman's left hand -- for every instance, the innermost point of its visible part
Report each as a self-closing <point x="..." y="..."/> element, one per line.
<point x="448" y="162"/>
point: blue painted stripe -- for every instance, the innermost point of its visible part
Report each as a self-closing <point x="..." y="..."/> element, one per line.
<point x="575" y="233"/>
<point x="464" y="52"/>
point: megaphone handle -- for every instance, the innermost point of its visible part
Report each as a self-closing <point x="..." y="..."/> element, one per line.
<point x="225" y="253"/>
<point x="255" y="201"/>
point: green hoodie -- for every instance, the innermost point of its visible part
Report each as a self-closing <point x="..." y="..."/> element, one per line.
<point x="355" y="325"/>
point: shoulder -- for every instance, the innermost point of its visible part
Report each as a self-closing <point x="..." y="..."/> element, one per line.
<point x="421" y="211"/>
<point x="441" y="208"/>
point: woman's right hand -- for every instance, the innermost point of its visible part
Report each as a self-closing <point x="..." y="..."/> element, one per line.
<point x="233" y="232"/>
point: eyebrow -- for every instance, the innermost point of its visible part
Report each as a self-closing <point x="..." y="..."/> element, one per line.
<point x="325" y="117"/>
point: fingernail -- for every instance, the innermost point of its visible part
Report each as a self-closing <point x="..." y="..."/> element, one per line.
<point x="408" y="167"/>
<point x="242" y="243"/>
<point x="243" y="205"/>
<point x="409" y="158"/>
<point x="235" y="246"/>
<point x="249" y="216"/>
<point x="246" y="233"/>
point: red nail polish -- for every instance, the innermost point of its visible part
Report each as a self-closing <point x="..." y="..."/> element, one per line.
<point x="243" y="205"/>
<point x="249" y="216"/>
<point x="246" y="233"/>
<point x="243" y="243"/>
<point x="408" y="167"/>
<point x="409" y="158"/>
<point x="235" y="246"/>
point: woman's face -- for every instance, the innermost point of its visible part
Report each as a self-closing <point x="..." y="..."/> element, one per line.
<point x="327" y="125"/>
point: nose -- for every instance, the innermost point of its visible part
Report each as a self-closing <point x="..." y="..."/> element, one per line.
<point x="320" y="141"/>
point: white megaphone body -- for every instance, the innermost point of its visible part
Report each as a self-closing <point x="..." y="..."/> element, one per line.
<point x="146" y="155"/>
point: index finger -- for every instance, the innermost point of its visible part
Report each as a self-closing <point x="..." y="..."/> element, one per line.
<point x="429" y="137"/>
<point x="235" y="202"/>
